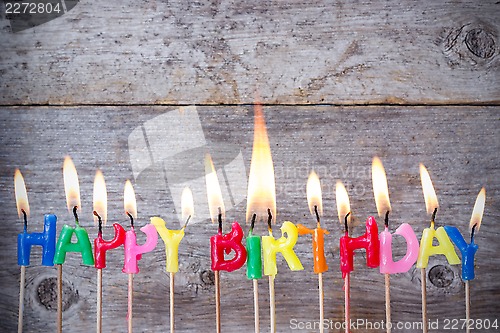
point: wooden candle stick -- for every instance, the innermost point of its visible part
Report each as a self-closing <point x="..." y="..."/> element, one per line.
<point x="272" y="304"/>
<point x="217" y="301"/>
<point x="424" y="300"/>
<point x="21" y="300"/>
<point x="388" y="302"/>
<point x="130" y="296"/>
<point x="256" y="305"/>
<point x="172" y="302"/>
<point x="99" y="300"/>
<point x="321" y="303"/>
<point x="59" y="298"/>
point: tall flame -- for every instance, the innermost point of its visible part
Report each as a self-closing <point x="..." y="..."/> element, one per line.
<point x="214" y="193"/>
<point x="187" y="204"/>
<point x="313" y="190"/>
<point x="343" y="206"/>
<point x="129" y="202"/>
<point x="380" y="189"/>
<point x="431" y="201"/>
<point x="261" y="184"/>
<point x="71" y="185"/>
<point x="477" y="212"/>
<point x="100" y="197"/>
<point x="21" y="195"/>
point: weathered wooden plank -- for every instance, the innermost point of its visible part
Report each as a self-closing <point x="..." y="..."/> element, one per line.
<point x="458" y="145"/>
<point x="219" y="52"/>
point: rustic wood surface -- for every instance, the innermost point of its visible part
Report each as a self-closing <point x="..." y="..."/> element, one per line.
<point x="459" y="145"/>
<point x="97" y="82"/>
<point x="293" y="52"/>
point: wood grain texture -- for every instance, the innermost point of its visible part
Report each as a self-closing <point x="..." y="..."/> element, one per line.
<point x="459" y="145"/>
<point x="220" y="52"/>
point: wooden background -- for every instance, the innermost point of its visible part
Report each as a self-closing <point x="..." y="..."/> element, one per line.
<point x="340" y="82"/>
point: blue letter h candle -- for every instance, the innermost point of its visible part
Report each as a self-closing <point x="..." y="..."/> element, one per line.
<point x="46" y="239"/>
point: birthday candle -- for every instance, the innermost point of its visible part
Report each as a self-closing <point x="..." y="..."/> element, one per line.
<point x="25" y="240"/>
<point x="445" y="246"/>
<point x="222" y="243"/>
<point x="381" y="193"/>
<point x="254" y="256"/>
<point x="64" y="244"/>
<point x="134" y="252"/>
<point x="283" y="245"/>
<point x="368" y="241"/>
<point x="387" y="265"/>
<point x="101" y="246"/>
<point x="172" y="238"/>
<point x="314" y="200"/>
<point x="468" y="251"/>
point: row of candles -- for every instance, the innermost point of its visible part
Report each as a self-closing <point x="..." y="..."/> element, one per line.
<point x="261" y="205"/>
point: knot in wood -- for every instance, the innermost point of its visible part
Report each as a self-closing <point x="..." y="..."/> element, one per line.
<point x="480" y="43"/>
<point x="441" y="276"/>
<point x="47" y="294"/>
<point x="207" y="277"/>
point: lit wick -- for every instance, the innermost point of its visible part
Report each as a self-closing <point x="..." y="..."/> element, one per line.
<point x="386" y="220"/>
<point x="433" y="218"/>
<point x="220" y="220"/>
<point x="472" y="233"/>
<point x="254" y="216"/>
<point x="100" y="222"/>
<point x="25" y="220"/>
<point x="75" y="214"/>
<point x="317" y="214"/>
<point x="269" y="220"/>
<point x="346" y="224"/>
<point x="131" y="220"/>
<point x="187" y="221"/>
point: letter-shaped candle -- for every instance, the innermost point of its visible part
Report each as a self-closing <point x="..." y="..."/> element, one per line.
<point x="224" y="243"/>
<point x="254" y="256"/>
<point x="284" y="245"/>
<point x="172" y="239"/>
<point x="368" y="241"/>
<point x="25" y="240"/>
<point x="387" y="265"/>
<point x="82" y="245"/>
<point x="468" y="251"/>
<point x="426" y="248"/>
<point x="101" y="246"/>
<point x="445" y="247"/>
<point x="46" y="239"/>
<point x="100" y="215"/>
<point x="133" y="252"/>
<point x="64" y="244"/>
<point x="315" y="202"/>
<point x="318" y="246"/>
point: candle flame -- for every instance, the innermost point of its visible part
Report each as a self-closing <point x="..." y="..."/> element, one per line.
<point x="477" y="212"/>
<point x="431" y="201"/>
<point x="214" y="193"/>
<point x="21" y="195"/>
<point x="187" y="204"/>
<point x="313" y="190"/>
<point x="71" y="185"/>
<point x="100" y="197"/>
<point x="380" y="189"/>
<point x="129" y="202"/>
<point x="343" y="206"/>
<point x="261" y="184"/>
